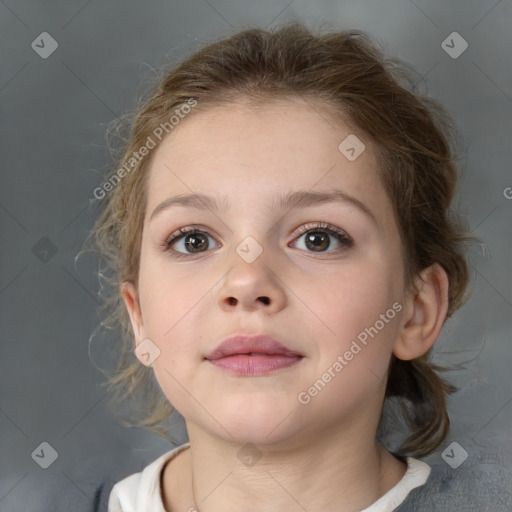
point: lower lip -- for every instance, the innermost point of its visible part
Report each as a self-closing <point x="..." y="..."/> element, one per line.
<point x="255" y="364"/>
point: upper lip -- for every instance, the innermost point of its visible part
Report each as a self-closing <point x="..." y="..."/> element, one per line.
<point x="249" y="344"/>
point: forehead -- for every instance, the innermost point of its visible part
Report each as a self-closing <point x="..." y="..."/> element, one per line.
<point x="249" y="153"/>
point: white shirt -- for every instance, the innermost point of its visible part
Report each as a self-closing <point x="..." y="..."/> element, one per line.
<point x="141" y="492"/>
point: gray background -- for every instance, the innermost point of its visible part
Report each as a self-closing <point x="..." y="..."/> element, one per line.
<point x="54" y="115"/>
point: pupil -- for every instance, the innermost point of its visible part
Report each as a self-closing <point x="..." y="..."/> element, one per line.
<point x="318" y="239"/>
<point x="315" y="240"/>
<point x="196" y="247"/>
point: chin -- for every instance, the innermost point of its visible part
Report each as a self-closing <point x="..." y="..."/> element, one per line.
<point x="262" y="426"/>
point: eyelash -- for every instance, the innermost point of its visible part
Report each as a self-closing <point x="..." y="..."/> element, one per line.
<point x="342" y="237"/>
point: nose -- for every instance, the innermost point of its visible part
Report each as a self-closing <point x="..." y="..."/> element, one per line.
<point x="252" y="286"/>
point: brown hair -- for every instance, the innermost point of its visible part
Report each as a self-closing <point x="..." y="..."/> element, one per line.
<point x="345" y="73"/>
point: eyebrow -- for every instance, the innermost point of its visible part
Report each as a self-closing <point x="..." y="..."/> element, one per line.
<point x="301" y="198"/>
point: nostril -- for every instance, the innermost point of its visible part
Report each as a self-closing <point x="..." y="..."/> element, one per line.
<point x="265" y="300"/>
<point x="232" y="301"/>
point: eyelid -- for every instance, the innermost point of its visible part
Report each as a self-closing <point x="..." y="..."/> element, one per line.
<point x="183" y="231"/>
<point x="324" y="226"/>
<point x="186" y="230"/>
<point x="341" y="235"/>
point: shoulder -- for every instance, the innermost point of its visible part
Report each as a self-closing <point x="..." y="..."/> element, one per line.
<point x="475" y="486"/>
<point x="137" y="490"/>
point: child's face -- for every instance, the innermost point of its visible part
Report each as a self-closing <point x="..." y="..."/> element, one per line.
<point x="318" y="301"/>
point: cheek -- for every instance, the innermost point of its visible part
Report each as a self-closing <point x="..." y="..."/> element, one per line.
<point x="169" y="293"/>
<point x="353" y="296"/>
<point x="173" y="312"/>
<point x="353" y="343"/>
<point x="357" y="319"/>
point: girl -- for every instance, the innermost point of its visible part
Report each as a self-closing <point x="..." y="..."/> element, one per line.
<point x="283" y="263"/>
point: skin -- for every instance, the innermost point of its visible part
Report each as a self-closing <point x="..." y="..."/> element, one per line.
<point x="321" y="456"/>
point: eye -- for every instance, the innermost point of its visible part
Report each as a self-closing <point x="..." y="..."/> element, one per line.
<point x="192" y="240"/>
<point x="187" y="241"/>
<point x="317" y="237"/>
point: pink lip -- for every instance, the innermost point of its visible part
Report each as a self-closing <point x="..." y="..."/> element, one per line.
<point x="252" y="355"/>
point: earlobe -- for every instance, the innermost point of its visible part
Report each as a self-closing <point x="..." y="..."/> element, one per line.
<point x="131" y="300"/>
<point x="425" y="313"/>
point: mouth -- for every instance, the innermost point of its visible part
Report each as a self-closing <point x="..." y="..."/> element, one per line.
<point x="252" y="355"/>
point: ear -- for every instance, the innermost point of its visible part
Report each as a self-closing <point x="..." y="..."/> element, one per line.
<point x="424" y="314"/>
<point x="131" y="300"/>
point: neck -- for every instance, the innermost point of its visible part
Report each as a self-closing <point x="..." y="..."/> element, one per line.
<point x="333" y="472"/>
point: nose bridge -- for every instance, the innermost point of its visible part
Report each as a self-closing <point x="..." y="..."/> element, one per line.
<point x="250" y="281"/>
